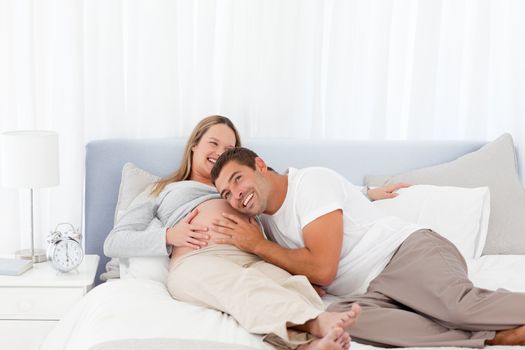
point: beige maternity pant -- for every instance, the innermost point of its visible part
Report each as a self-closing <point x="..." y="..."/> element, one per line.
<point x="262" y="297"/>
<point x="424" y="298"/>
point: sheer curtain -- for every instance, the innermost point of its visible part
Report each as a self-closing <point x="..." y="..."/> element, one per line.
<point x="404" y="69"/>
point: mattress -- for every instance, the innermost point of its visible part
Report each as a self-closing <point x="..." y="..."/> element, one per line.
<point x="140" y="314"/>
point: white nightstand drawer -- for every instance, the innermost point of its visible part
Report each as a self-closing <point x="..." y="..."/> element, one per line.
<point x="37" y="303"/>
<point x="24" y="335"/>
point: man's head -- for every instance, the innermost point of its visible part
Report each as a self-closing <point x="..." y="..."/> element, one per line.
<point x="241" y="178"/>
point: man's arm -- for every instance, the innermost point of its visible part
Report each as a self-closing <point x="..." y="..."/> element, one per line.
<point x="318" y="260"/>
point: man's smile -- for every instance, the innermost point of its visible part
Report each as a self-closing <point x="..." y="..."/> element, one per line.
<point x="247" y="199"/>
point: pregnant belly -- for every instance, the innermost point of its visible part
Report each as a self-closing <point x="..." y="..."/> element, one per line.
<point x="208" y="212"/>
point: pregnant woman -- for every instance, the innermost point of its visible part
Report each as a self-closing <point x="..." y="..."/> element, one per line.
<point x="174" y="219"/>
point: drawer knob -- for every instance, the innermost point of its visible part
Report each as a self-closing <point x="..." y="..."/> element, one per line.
<point x="25" y="305"/>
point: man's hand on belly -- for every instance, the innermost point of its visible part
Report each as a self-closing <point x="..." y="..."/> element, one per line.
<point x="244" y="234"/>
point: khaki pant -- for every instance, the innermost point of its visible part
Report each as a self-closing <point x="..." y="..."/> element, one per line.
<point x="424" y="298"/>
<point x="263" y="298"/>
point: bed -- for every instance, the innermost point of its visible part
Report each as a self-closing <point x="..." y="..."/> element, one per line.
<point x="138" y="313"/>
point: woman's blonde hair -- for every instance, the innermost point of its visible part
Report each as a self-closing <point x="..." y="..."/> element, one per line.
<point x="184" y="170"/>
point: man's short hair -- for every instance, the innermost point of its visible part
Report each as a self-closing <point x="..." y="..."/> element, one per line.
<point x="241" y="155"/>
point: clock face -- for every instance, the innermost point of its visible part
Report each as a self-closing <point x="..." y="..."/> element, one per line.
<point x="67" y="255"/>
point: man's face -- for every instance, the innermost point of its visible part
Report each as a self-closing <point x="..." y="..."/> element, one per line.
<point x="245" y="189"/>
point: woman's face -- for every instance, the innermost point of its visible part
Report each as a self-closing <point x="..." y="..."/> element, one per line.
<point x="212" y="144"/>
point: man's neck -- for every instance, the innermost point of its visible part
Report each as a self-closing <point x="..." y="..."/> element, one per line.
<point x="279" y="186"/>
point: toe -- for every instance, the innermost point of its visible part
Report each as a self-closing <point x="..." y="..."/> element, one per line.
<point x="335" y="333"/>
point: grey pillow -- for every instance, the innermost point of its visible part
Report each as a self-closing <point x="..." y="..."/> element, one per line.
<point x="493" y="165"/>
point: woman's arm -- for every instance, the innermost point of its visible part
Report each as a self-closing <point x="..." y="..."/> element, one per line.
<point x="138" y="233"/>
<point x="385" y="192"/>
<point x="187" y="234"/>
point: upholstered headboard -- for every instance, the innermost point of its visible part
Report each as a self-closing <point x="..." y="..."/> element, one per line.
<point x="354" y="159"/>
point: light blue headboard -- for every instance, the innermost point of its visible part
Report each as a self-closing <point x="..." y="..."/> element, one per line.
<point x="354" y="159"/>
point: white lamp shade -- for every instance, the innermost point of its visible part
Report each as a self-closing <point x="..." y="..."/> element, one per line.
<point x="29" y="159"/>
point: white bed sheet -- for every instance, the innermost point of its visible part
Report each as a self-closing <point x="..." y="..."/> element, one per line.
<point x="127" y="309"/>
<point x="142" y="309"/>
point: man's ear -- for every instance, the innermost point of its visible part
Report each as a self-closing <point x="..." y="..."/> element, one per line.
<point x="260" y="165"/>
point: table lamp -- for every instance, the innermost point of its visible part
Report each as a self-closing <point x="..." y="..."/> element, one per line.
<point x="29" y="159"/>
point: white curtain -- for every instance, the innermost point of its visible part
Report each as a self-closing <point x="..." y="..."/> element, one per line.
<point x="403" y="69"/>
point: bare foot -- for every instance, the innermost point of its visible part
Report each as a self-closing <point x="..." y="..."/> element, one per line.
<point x="343" y="340"/>
<point x="515" y="336"/>
<point x="325" y="322"/>
<point x="336" y="339"/>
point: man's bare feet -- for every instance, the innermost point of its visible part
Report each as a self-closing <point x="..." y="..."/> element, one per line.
<point x="326" y="321"/>
<point x="515" y="336"/>
<point x="336" y="339"/>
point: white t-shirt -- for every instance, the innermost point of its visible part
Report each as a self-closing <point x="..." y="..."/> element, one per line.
<point x="370" y="237"/>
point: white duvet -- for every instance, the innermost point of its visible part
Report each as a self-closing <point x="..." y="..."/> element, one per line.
<point x="143" y="309"/>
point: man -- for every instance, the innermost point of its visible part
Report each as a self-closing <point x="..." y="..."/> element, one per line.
<point x="411" y="282"/>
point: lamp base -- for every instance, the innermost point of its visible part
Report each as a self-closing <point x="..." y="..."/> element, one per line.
<point x="40" y="255"/>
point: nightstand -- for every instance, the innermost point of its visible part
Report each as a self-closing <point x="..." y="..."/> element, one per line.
<point x="32" y="303"/>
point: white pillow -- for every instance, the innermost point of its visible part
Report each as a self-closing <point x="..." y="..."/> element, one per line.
<point x="135" y="184"/>
<point x="153" y="268"/>
<point x="493" y="165"/>
<point x="459" y="214"/>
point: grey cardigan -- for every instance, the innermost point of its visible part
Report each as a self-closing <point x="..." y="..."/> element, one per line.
<point x="141" y="231"/>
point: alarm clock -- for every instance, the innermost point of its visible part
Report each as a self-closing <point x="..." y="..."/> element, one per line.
<point x="64" y="251"/>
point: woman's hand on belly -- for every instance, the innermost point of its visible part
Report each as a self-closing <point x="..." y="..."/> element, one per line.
<point x="196" y="232"/>
<point x="187" y="234"/>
